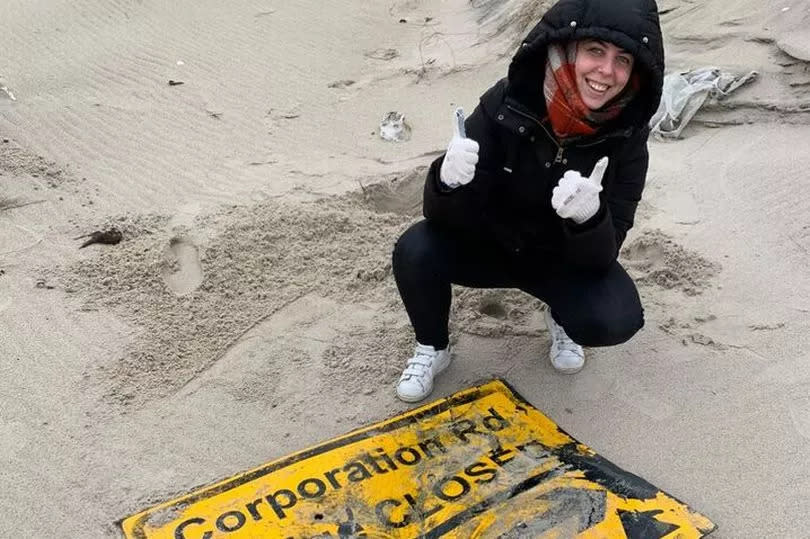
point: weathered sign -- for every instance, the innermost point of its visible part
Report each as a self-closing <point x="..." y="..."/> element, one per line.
<point x="480" y="463"/>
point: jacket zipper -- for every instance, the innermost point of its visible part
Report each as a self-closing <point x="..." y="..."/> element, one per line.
<point x="560" y="149"/>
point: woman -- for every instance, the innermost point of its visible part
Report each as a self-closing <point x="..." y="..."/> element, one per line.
<point x="541" y="192"/>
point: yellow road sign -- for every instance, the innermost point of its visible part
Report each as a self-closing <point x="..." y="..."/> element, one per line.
<point x="480" y="463"/>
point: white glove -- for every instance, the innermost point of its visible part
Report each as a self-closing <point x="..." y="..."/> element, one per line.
<point x="458" y="167"/>
<point x="577" y="197"/>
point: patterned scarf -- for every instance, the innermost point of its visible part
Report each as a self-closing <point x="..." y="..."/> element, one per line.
<point x="568" y="113"/>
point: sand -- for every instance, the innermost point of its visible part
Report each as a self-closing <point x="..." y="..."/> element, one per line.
<point x="250" y="310"/>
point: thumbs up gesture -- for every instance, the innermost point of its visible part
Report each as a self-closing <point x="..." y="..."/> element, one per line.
<point x="577" y="197"/>
<point x="458" y="167"/>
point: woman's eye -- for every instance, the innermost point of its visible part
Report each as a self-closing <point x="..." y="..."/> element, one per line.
<point x="624" y="60"/>
<point x="595" y="50"/>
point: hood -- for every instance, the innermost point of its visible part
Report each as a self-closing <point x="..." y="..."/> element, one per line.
<point x="632" y="25"/>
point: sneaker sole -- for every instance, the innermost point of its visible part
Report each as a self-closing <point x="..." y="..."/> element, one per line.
<point x="404" y="398"/>
<point x="568" y="371"/>
<point x="564" y="370"/>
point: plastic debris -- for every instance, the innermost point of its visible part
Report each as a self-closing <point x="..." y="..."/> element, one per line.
<point x="394" y="128"/>
<point x="5" y="92"/>
<point x="685" y="93"/>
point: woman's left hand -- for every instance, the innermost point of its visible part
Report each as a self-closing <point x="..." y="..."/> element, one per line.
<point x="577" y="197"/>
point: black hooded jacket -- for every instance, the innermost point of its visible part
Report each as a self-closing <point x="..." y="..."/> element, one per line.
<point x="508" y="202"/>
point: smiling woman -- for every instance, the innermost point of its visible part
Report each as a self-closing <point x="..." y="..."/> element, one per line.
<point x="540" y="188"/>
<point x="586" y="85"/>
<point x="602" y="71"/>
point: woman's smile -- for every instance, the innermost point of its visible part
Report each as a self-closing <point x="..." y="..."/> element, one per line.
<point x="602" y="71"/>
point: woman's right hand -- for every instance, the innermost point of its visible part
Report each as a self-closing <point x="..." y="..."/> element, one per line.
<point x="458" y="167"/>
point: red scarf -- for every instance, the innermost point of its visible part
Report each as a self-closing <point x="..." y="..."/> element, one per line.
<point x="568" y="113"/>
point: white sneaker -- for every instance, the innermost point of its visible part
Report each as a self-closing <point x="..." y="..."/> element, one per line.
<point x="416" y="381"/>
<point x="566" y="356"/>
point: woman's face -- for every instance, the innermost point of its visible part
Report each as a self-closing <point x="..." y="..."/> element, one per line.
<point x="602" y="70"/>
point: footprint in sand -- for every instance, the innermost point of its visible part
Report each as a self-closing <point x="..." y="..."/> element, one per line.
<point x="183" y="272"/>
<point x="491" y="306"/>
<point x="655" y="258"/>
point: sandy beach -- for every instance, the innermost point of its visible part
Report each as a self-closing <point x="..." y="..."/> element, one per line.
<point x="249" y="310"/>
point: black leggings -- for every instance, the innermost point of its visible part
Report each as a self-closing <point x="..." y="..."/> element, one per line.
<point x="594" y="309"/>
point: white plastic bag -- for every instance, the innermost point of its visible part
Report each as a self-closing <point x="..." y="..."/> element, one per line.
<point x="685" y="93"/>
